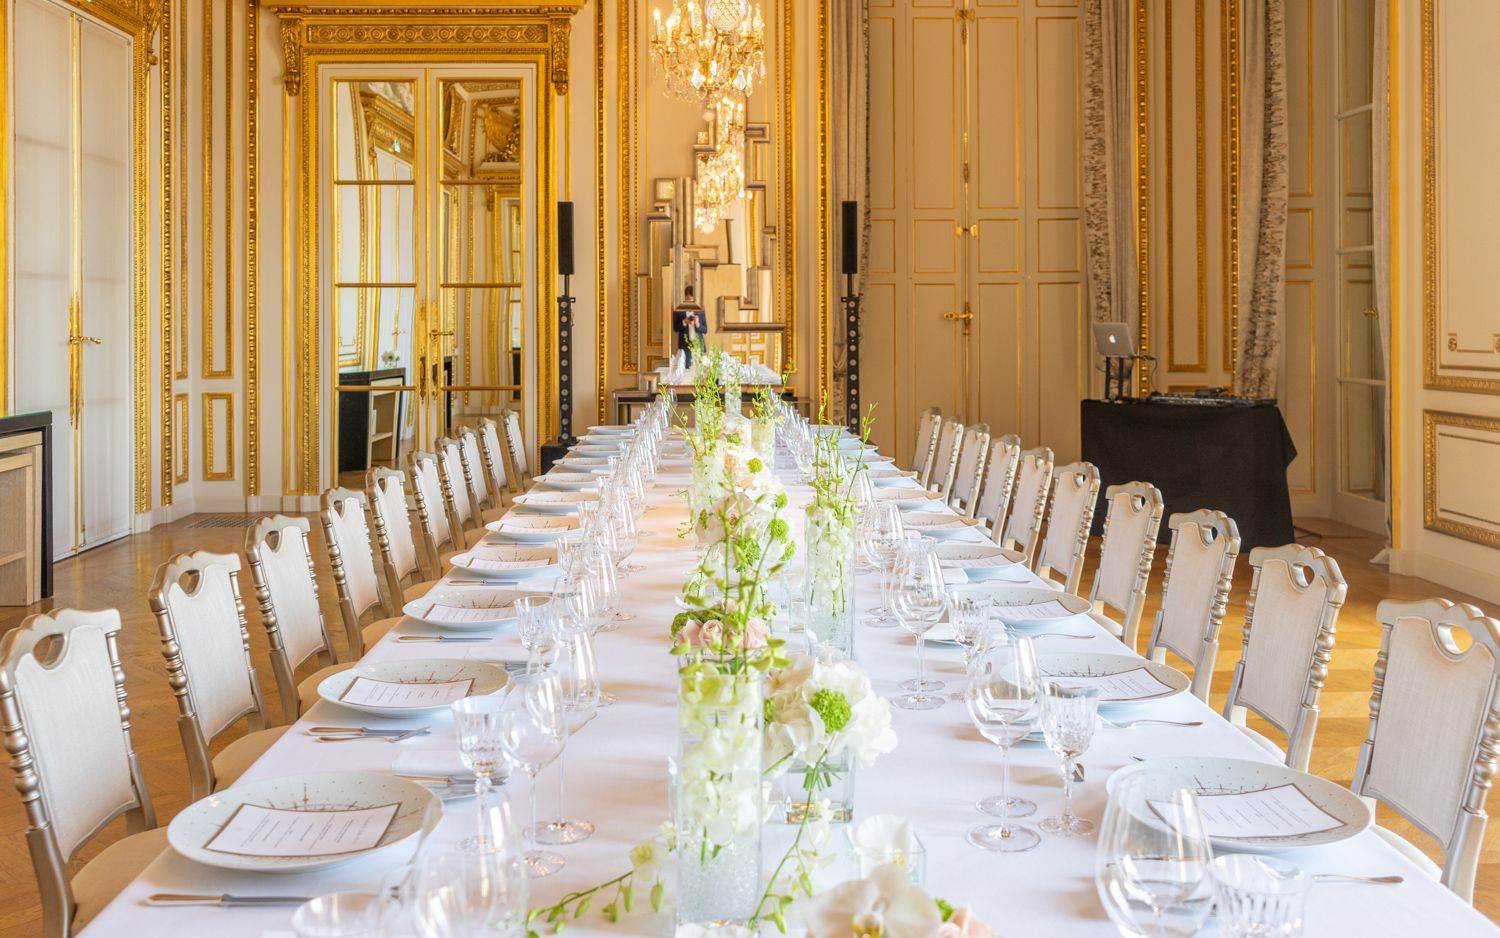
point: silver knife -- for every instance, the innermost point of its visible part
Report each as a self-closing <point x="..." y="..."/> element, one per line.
<point x="445" y="638"/>
<point x="224" y="900"/>
<point x="364" y="730"/>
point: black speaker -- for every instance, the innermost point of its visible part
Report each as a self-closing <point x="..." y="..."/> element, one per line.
<point x="851" y="238"/>
<point x="565" y="239"/>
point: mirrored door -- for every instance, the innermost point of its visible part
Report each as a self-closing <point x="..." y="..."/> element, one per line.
<point x="432" y="228"/>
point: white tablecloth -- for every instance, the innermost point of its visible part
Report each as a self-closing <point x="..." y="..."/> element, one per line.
<point x="617" y="778"/>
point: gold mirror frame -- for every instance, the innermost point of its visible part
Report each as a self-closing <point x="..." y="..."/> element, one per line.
<point x="317" y="34"/>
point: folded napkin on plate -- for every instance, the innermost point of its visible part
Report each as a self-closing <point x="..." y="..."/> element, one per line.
<point x="429" y="760"/>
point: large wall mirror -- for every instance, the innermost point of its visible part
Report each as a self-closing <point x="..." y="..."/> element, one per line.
<point x="430" y="269"/>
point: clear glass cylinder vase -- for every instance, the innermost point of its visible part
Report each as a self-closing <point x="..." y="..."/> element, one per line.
<point x="825" y="792"/>
<point x="718" y="801"/>
<point x="706" y="492"/>
<point x="763" y="438"/>
<point x="829" y="540"/>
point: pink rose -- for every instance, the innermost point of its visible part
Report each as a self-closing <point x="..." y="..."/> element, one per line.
<point x="756" y="633"/>
<point x="963" y="923"/>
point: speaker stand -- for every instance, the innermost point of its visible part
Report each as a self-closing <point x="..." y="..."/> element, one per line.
<point x="851" y="354"/>
<point x="565" y="364"/>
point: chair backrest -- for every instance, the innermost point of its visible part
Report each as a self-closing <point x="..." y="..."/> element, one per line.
<point x="1028" y="503"/>
<point x="999" y="481"/>
<point x="474" y="471"/>
<point x="493" y="452"/>
<point x="1435" y="726"/>
<point x="945" y="456"/>
<point x="206" y="641"/>
<point x="352" y="560"/>
<point x="516" y="440"/>
<point x="432" y="507"/>
<point x="1195" y="591"/>
<point x="1290" y="616"/>
<point x="973" y="450"/>
<point x="286" y="588"/>
<point x="928" y="422"/>
<point x="455" y="484"/>
<point x="1126" y="548"/>
<point x="1070" y="520"/>
<point x="385" y="489"/>
<point x="67" y="729"/>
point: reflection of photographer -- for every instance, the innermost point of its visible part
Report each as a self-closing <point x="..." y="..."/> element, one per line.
<point x="688" y="319"/>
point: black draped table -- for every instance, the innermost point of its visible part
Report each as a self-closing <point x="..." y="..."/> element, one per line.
<point x="1229" y="457"/>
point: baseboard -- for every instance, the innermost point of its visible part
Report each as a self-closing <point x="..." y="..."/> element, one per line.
<point x="1484" y="584"/>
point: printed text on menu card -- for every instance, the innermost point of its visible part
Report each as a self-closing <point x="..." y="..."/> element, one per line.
<point x="1282" y="811"/>
<point x="1135" y="684"/>
<point x="398" y="695"/>
<point x="258" y="831"/>
<point x="1051" y="609"/>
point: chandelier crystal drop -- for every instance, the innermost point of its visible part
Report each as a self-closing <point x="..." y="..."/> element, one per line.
<point x="720" y="177"/>
<point x="709" y="48"/>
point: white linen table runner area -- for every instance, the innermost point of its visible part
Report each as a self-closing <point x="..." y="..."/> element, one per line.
<point x="617" y="778"/>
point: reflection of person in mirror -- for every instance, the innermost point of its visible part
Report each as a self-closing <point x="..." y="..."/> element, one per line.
<point x="688" y="319"/>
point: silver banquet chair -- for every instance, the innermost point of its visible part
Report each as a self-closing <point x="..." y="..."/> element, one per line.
<point x="1131" y="525"/>
<point x="1195" y="592"/>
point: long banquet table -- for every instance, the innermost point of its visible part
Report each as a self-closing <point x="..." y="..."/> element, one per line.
<point x="616" y="777"/>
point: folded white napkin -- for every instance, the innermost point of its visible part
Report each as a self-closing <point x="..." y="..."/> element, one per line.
<point x="430" y="760"/>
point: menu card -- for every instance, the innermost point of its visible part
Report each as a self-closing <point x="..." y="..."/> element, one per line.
<point x="1135" y="684"/>
<point x="259" y="831"/>
<point x="1051" y="609"/>
<point x="1282" y="811"/>
<point x="479" y="563"/>
<point x="399" y="695"/>
<point x="438" y="612"/>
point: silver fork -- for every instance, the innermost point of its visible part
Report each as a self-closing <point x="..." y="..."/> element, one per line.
<point x="1366" y="880"/>
<point x="1127" y="724"/>
<point x="1061" y="635"/>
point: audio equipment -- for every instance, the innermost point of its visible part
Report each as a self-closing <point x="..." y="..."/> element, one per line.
<point x="850" y="241"/>
<point x="849" y="245"/>
<point x="565" y="239"/>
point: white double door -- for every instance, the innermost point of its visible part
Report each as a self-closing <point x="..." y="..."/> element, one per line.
<point x="72" y="252"/>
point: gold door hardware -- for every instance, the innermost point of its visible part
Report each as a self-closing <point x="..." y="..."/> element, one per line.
<point x="84" y="339"/>
<point x="1370" y="312"/>
<point x="970" y="230"/>
<point x="964" y="316"/>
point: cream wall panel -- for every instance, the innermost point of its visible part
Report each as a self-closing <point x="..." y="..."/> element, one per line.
<point x="882" y="246"/>
<point x="997" y="129"/>
<point x="933" y="345"/>
<point x="878" y="370"/>
<point x="1059" y="123"/>
<point x="1465" y="462"/>
<point x="933" y="109"/>
<point x="998" y="331"/>
<point x="1299" y="398"/>
<point x="932" y="246"/>
<point x="883" y="139"/>
<point x="1061" y="382"/>
<point x="999" y="245"/>
<point x="1059" y="245"/>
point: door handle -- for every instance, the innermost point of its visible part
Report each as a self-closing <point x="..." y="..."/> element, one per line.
<point x="84" y="340"/>
<point x="958" y="317"/>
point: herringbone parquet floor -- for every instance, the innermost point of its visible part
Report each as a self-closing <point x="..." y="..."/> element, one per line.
<point x="119" y="575"/>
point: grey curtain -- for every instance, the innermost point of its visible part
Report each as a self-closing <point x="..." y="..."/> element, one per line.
<point x="849" y="162"/>
<point x="1263" y="197"/>
<point x="1108" y="181"/>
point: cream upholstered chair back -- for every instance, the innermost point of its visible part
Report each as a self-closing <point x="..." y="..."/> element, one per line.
<point x="972" y="453"/>
<point x="1070" y="519"/>
<point x="928" y="423"/>
<point x="455" y="484"/>
<point x="474" y="471"/>
<point x="386" y="491"/>
<point x="945" y="456"/>
<point x="516" y="441"/>
<point x="1195" y="592"/>
<point x="432" y="510"/>
<point x="999" y="482"/>
<point x="493" y="452"/>
<point x="352" y="560"/>
<point x="67" y="728"/>
<point x="206" y="641"/>
<point x="1290" y="617"/>
<point x="1028" y="503"/>
<point x="286" y="589"/>
<point x="1435" y="726"/>
<point x="1131" y="525"/>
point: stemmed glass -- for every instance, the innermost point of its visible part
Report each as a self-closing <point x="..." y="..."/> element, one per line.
<point x="1069" y="715"/>
<point x="462" y="893"/>
<point x="969" y="614"/>
<point x="622" y="522"/>
<point x="1153" y="868"/>
<point x="531" y="736"/>
<point x="579" y="678"/>
<point x="920" y="601"/>
<point x="884" y="539"/>
<point x="537" y="630"/>
<point x="1002" y="703"/>
<point x="476" y="723"/>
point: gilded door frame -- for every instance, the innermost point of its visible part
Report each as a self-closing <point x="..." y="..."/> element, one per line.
<point x="137" y="19"/>
<point x="312" y="37"/>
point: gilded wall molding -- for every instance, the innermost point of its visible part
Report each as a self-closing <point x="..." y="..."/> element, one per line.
<point x="1432" y="515"/>
<point x="212" y="471"/>
<point x="787" y="233"/>
<point x="601" y="210"/>
<point x="252" y="247"/>
<point x="560" y="29"/>
<point x="291" y="54"/>
<point x="824" y="371"/>
<point x="1140" y="37"/>
<point x="1230" y="74"/>
<point x="168" y="208"/>
<point x="141" y="347"/>
<point x="628" y="207"/>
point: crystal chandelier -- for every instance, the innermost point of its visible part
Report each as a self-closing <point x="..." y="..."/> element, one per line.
<point x="720" y="179"/>
<point x="709" y="48"/>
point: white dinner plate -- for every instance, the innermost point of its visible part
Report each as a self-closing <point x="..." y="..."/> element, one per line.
<point x="577" y="463"/>
<point x="1009" y="600"/>
<point x="979" y="561"/>
<point x="487" y="678"/>
<point x="507" y="562"/>
<point x="909" y="497"/>
<point x="499" y="603"/>
<point x="888" y="476"/>
<point x="1059" y="666"/>
<point x="1215" y="775"/>
<point x="613" y="429"/>
<point x="198" y="823"/>
<point x="533" y="529"/>
<point x="555" y="503"/>
<point x="598" y="449"/>
<point x="568" y="481"/>
<point x="939" y="525"/>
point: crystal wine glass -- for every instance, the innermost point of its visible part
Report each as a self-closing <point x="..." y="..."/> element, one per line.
<point x="579" y="678"/>
<point x="537" y="631"/>
<point x="1002" y="703"/>
<point x="921" y="598"/>
<point x="476" y="724"/>
<point x="1153" y="866"/>
<point x="531" y="736"/>
<point x="884" y="539"/>
<point x="1069" y="716"/>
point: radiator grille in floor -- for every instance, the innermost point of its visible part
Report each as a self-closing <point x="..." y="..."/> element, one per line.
<point x="224" y="521"/>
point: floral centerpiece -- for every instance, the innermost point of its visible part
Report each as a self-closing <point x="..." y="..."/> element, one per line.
<point x="706" y="436"/>
<point x="765" y="414"/>
<point x="831" y="519"/>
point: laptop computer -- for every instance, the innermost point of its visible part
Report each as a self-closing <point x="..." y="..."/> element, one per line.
<point x="1112" y="339"/>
